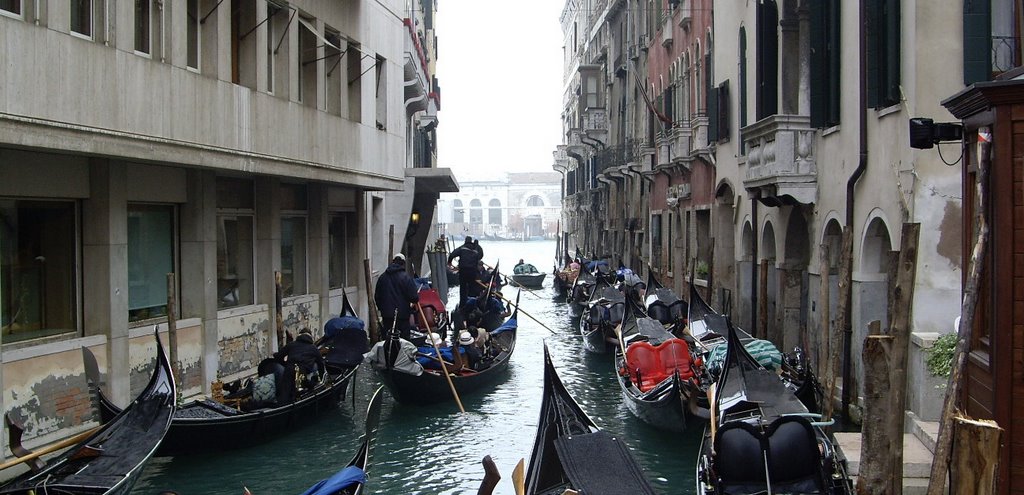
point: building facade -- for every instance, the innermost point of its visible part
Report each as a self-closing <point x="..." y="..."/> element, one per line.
<point x="519" y="206"/>
<point x="219" y="142"/>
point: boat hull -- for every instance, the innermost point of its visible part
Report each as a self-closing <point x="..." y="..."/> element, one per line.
<point x="664" y="409"/>
<point x="529" y="280"/>
<point x="595" y="338"/>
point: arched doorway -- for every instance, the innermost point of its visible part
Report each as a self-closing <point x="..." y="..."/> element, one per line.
<point x="793" y="281"/>
<point x="724" y="264"/>
<point x="745" y="285"/>
<point x="870" y="288"/>
<point x="767" y="287"/>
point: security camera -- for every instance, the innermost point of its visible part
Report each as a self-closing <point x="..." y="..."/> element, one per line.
<point x="925" y="133"/>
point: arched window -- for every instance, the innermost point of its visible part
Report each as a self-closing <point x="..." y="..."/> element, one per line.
<point x="458" y="214"/>
<point x="476" y="212"/>
<point x="494" y="212"/>
<point x="534" y="201"/>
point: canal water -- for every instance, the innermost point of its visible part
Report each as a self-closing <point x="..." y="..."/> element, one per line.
<point x="437" y="450"/>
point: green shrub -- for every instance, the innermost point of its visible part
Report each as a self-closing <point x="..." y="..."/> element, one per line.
<point x="940" y="356"/>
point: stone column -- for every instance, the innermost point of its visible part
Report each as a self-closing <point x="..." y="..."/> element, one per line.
<point x="319" y="248"/>
<point x="198" y="251"/>
<point x="268" y="248"/>
<point x="105" y="268"/>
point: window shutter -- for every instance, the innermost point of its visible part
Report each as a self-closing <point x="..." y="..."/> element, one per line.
<point x="819" y="91"/>
<point x="767" y="59"/>
<point x="712" y="96"/>
<point x="892" y="52"/>
<point x="873" y="38"/>
<point x="977" y="35"/>
<point x="833" y="56"/>
<point x="724" y="127"/>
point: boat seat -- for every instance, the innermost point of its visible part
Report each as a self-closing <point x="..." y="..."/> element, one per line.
<point x="644" y="365"/>
<point x="793" y="457"/>
<point x="616" y="312"/>
<point x="741" y="462"/>
<point x="596" y="314"/>
<point x="659" y="311"/>
<point x="675" y="357"/>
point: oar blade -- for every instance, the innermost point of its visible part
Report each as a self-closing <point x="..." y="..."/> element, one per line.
<point x="518" y="478"/>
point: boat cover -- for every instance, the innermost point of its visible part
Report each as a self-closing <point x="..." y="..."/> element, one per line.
<point x="653" y="330"/>
<point x="509" y="325"/>
<point x="405" y="361"/>
<point x="342" y="479"/>
<point x="600" y="464"/>
<point x="763" y="351"/>
<point x="345" y="340"/>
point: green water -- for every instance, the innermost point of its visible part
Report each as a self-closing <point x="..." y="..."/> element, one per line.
<point x="437" y="450"/>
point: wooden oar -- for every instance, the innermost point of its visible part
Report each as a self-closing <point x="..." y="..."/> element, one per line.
<point x="444" y="371"/>
<point x="520" y="308"/>
<point x="67" y="442"/>
<point x="622" y="341"/>
<point x="714" y="413"/>
<point x="519" y="479"/>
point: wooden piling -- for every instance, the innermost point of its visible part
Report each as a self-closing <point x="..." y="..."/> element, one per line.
<point x="279" y="318"/>
<point x="391" y="243"/>
<point x="374" y="317"/>
<point x="824" y="309"/>
<point x="172" y="329"/>
<point x="842" y="332"/>
<point x="762" y="301"/>
<point x="975" y="457"/>
<point x="876" y="470"/>
<point x="900" y="326"/>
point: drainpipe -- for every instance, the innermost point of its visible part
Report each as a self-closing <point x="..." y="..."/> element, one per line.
<point x="851" y="185"/>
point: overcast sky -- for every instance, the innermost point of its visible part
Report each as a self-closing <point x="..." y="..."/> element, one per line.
<point x="500" y="70"/>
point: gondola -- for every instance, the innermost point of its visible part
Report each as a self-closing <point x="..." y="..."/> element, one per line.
<point x="352" y="479"/>
<point x="110" y="460"/>
<point x="762" y="439"/>
<point x="532" y="279"/>
<point x="571" y="452"/>
<point x="419" y="385"/>
<point x="663" y="304"/>
<point x="580" y="293"/>
<point x="605" y="310"/>
<point x="658" y="375"/>
<point x="205" y="425"/>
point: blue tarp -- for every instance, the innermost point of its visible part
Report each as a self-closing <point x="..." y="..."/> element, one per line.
<point x="336" y="324"/>
<point x="446" y="354"/>
<point x="510" y="324"/>
<point x="346" y="477"/>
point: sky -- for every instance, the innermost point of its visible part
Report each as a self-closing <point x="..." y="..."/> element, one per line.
<point x="500" y="70"/>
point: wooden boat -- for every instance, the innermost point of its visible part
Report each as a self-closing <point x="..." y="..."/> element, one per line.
<point x="529" y="278"/>
<point x="605" y="311"/>
<point x="110" y="460"/>
<point x="352" y="479"/>
<point x="762" y="439"/>
<point x="663" y="304"/>
<point x="430" y="386"/>
<point x="657" y="375"/>
<point x="205" y="425"/>
<point x="571" y="452"/>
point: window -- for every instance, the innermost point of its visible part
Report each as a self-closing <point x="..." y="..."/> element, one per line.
<point x="341" y="233"/>
<point x="535" y="201"/>
<point x="381" y="93"/>
<point x="743" y="84"/>
<point x="243" y="43"/>
<point x="825" y="63"/>
<point x="293" y="256"/>
<point x="193" y="34"/>
<point x="476" y="213"/>
<point x="592" y="92"/>
<point x="82" y="17"/>
<point x="307" y="61"/>
<point x="458" y="214"/>
<point x="38" y="260"/>
<point x="332" y="76"/>
<point x="494" y="212"/>
<point x="11" y="7"/>
<point x="236" y="285"/>
<point x="883" y="52"/>
<point x="278" y="43"/>
<point x="150" y="259"/>
<point x="143" y="25"/>
<point x="767" y="59"/>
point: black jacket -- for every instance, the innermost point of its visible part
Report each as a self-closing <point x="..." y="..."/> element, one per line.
<point x="469" y="255"/>
<point x="303" y="353"/>
<point x="395" y="290"/>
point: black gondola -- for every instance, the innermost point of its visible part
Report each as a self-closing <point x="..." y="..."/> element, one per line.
<point x="430" y="386"/>
<point x="110" y="460"/>
<point x="571" y="452"/>
<point x="762" y="439"/>
<point x="205" y="425"/>
<point x="658" y="375"/>
<point x="352" y="479"/>
<point x="582" y="288"/>
<point x="663" y="304"/>
<point x="605" y="311"/>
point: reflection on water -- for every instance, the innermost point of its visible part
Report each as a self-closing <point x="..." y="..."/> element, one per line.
<point x="436" y="450"/>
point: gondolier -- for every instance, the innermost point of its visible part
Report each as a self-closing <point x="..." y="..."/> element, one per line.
<point x="394" y="294"/>
<point x="469" y="255"/>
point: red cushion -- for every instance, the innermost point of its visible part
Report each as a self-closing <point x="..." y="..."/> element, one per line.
<point x="644" y="365"/>
<point x="675" y="356"/>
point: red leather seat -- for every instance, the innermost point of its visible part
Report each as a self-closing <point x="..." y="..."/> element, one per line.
<point x="675" y="356"/>
<point x="644" y="365"/>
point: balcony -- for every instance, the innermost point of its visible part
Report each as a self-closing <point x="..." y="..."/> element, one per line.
<point x="416" y="81"/>
<point x="595" y="123"/>
<point x="780" y="159"/>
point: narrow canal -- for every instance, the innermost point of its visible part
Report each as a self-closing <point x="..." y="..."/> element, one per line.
<point x="437" y="450"/>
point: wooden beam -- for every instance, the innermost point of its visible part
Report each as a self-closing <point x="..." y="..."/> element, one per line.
<point x="900" y="328"/>
<point x="976" y="456"/>
<point x="824" y="310"/>
<point x="841" y="329"/>
<point x="374" y="317"/>
<point x="876" y="470"/>
<point x="762" y="301"/>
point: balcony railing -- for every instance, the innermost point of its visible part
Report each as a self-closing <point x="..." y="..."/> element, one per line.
<point x="780" y="153"/>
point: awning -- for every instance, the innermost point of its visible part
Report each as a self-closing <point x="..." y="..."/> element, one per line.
<point x="316" y="33"/>
<point x="433" y="180"/>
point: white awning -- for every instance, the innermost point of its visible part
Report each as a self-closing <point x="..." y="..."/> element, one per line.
<point x="316" y="33"/>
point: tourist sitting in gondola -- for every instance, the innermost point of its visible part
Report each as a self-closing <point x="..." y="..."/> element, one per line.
<point x="474" y="355"/>
<point x="487" y="315"/>
<point x="305" y="355"/>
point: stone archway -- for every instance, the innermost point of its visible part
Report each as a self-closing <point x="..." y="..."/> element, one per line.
<point x="723" y="264"/>
<point x="745" y="282"/>
<point x="768" y="287"/>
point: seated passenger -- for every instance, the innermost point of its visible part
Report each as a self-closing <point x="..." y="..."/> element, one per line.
<point x="305" y="355"/>
<point x="468" y="344"/>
